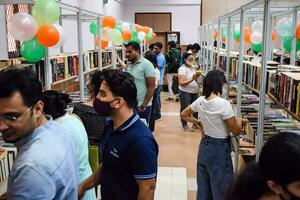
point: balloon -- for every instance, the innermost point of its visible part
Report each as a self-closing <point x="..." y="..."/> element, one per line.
<point x="215" y="35"/>
<point x="109" y="21"/>
<point x="224" y="33"/>
<point x="126" y="35"/>
<point x="149" y="36"/>
<point x="116" y="36"/>
<point x="104" y="44"/>
<point x="223" y="40"/>
<point x="236" y="31"/>
<point x="154" y="36"/>
<point x="236" y="40"/>
<point x="256" y="37"/>
<point x="106" y="33"/>
<point x="118" y="27"/>
<point x="45" y="11"/>
<point x="32" y="51"/>
<point x="257" y="26"/>
<point x="287" y="44"/>
<point x="274" y="36"/>
<point x="257" y="47"/>
<point x="141" y="35"/>
<point x="62" y="36"/>
<point x="140" y="29"/>
<point x="125" y="26"/>
<point x="22" y="26"/>
<point x="150" y="30"/>
<point x="284" y="27"/>
<point x="94" y="28"/>
<point x="118" y="43"/>
<point x="146" y="29"/>
<point x="135" y="37"/>
<point x="48" y="35"/>
<point x="247" y="35"/>
<point x="298" y="32"/>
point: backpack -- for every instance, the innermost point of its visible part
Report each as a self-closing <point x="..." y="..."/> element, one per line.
<point x="173" y="58"/>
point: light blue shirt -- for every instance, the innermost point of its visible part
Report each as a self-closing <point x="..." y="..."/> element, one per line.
<point x="45" y="166"/>
<point x="161" y="62"/>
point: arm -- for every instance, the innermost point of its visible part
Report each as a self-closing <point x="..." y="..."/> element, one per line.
<point x="184" y="82"/>
<point x="146" y="189"/>
<point x="121" y="63"/>
<point x="187" y="115"/>
<point x="150" y="82"/>
<point x="90" y="182"/>
<point x="235" y="125"/>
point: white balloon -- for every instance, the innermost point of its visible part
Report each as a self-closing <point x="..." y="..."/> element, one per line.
<point x="125" y="26"/>
<point x="284" y="27"/>
<point x="22" y="26"/>
<point x="118" y="43"/>
<point x="256" y="37"/>
<point x="62" y="36"/>
<point x="150" y="30"/>
<point x="141" y="35"/>
<point x="257" y="26"/>
<point x="236" y="27"/>
<point x="106" y="33"/>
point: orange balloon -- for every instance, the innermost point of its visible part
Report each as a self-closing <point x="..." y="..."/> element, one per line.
<point x="104" y="43"/>
<point x="298" y="32"/>
<point x="126" y="35"/>
<point x="48" y="35"/>
<point x="109" y="21"/>
<point x="153" y="36"/>
<point x="247" y="35"/>
<point x="139" y="28"/>
<point x="274" y="35"/>
<point x="223" y="40"/>
<point x="236" y="40"/>
<point x="146" y="29"/>
<point x="215" y="34"/>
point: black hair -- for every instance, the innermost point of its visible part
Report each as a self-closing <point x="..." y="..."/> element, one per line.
<point x="189" y="47"/>
<point x="196" y="46"/>
<point x="152" y="58"/>
<point x="134" y="45"/>
<point x="23" y="81"/>
<point x="213" y="83"/>
<point x="159" y="45"/>
<point x="172" y="44"/>
<point x="151" y="46"/>
<point x="248" y="185"/>
<point x="279" y="160"/>
<point x="121" y="84"/>
<point x="95" y="82"/>
<point x="55" y="103"/>
<point x="185" y="55"/>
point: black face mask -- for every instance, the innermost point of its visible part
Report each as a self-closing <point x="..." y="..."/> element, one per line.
<point x="292" y="196"/>
<point x="103" y="108"/>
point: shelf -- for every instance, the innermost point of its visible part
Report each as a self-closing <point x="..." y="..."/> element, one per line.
<point x="249" y="87"/>
<point x="106" y="67"/>
<point x="64" y="80"/>
<point x="91" y="70"/>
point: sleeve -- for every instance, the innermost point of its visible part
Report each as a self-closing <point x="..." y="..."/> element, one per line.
<point x="227" y="111"/>
<point x="32" y="182"/>
<point x="195" y="104"/>
<point x="143" y="158"/>
<point x="149" y="70"/>
<point x="160" y="61"/>
<point x="181" y="71"/>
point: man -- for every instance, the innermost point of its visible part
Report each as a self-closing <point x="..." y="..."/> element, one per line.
<point x="144" y="77"/>
<point x="173" y="58"/>
<point x="128" y="148"/>
<point x="161" y="63"/>
<point x="45" y="166"/>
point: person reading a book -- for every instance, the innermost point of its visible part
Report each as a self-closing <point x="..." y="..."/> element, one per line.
<point x="128" y="149"/>
<point x="276" y="176"/>
<point x="45" y="166"/>
<point x="55" y="104"/>
<point x="214" y="165"/>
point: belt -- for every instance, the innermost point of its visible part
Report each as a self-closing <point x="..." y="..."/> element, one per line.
<point x="206" y="137"/>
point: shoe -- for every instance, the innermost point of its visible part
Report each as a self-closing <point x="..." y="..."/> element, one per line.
<point x="159" y="119"/>
<point x="186" y="128"/>
<point x="170" y="99"/>
<point x="177" y="99"/>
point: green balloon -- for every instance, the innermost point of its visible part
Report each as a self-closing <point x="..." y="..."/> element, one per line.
<point x="45" y="11"/>
<point x="236" y="34"/>
<point x="257" y="48"/>
<point x="224" y="33"/>
<point x="118" y="27"/>
<point x="149" y="36"/>
<point x="32" y="51"/>
<point x="287" y="44"/>
<point x="116" y="36"/>
<point x="94" y="28"/>
<point x="135" y="37"/>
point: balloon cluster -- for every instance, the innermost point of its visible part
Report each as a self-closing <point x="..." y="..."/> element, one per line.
<point x="38" y="31"/>
<point x="119" y="33"/>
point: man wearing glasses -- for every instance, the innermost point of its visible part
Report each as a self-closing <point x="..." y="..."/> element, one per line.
<point x="45" y="166"/>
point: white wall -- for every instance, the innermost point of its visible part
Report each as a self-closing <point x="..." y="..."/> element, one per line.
<point x="185" y="15"/>
<point x="3" y="35"/>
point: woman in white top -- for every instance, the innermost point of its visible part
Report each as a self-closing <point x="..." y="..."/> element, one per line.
<point x="188" y="87"/>
<point x="214" y="165"/>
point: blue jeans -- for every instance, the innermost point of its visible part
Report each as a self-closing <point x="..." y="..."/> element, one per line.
<point x="146" y="114"/>
<point x="158" y="102"/>
<point x="214" y="168"/>
<point x="186" y="99"/>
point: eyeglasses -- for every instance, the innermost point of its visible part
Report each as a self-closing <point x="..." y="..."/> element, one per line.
<point x="8" y="119"/>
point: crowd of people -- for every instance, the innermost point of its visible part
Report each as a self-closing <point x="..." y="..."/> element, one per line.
<point x="53" y="156"/>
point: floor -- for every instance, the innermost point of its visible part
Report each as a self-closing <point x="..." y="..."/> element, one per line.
<point x="177" y="155"/>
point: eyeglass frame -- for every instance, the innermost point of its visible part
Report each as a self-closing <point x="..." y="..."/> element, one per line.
<point x="12" y="119"/>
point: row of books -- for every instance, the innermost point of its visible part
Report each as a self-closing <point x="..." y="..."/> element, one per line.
<point x="8" y="153"/>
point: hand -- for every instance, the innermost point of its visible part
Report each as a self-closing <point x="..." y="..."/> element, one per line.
<point x="244" y="121"/>
<point x="80" y="192"/>
<point x="142" y="108"/>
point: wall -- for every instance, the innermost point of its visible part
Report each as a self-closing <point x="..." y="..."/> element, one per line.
<point x="3" y="36"/>
<point x="185" y="15"/>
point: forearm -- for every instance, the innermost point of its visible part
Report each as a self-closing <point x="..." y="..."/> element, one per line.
<point x="191" y="119"/>
<point x="148" y="96"/>
<point x="146" y="194"/>
<point x="186" y="82"/>
<point x="93" y="180"/>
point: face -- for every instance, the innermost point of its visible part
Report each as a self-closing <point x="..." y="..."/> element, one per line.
<point x="156" y="50"/>
<point x="189" y="60"/>
<point x="194" y="51"/>
<point x="292" y="190"/>
<point x="131" y="54"/>
<point x="16" y="119"/>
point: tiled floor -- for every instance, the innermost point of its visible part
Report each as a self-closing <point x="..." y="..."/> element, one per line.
<point x="177" y="153"/>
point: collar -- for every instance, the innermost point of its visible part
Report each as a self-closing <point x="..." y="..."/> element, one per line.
<point x="138" y="61"/>
<point x="126" y="124"/>
<point x="36" y="132"/>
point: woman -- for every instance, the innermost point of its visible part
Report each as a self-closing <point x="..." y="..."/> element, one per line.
<point x="276" y="176"/>
<point x="55" y="104"/>
<point x="188" y="87"/>
<point x="214" y="165"/>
